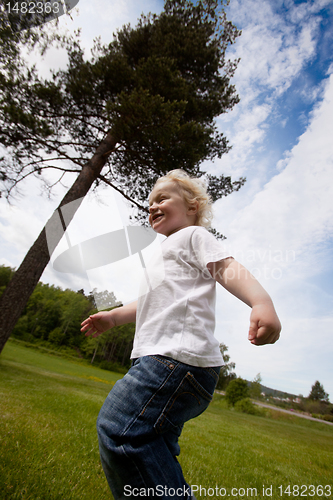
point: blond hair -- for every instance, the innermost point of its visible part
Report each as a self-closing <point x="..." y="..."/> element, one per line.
<point x="193" y="190"/>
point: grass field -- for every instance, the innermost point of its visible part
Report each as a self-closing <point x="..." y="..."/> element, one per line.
<point x="49" y="450"/>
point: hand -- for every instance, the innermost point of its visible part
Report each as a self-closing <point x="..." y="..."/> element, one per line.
<point x="98" y="323"/>
<point x="265" y="325"/>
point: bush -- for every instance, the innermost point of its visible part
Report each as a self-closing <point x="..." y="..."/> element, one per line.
<point x="328" y="418"/>
<point x="315" y="407"/>
<point x="22" y="328"/>
<point x="112" y="367"/>
<point x="57" y="336"/>
<point x="246" y="406"/>
<point x="236" y="390"/>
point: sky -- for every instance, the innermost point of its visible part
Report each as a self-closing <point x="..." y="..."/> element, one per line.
<point x="279" y="225"/>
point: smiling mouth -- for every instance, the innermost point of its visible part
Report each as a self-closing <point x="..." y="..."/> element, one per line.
<point x="157" y="217"/>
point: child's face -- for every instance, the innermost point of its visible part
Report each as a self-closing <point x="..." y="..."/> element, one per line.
<point x="168" y="211"/>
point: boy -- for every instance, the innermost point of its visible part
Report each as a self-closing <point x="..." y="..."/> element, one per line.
<point x="175" y="359"/>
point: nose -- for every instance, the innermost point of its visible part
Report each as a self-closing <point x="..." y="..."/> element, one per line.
<point x="152" y="207"/>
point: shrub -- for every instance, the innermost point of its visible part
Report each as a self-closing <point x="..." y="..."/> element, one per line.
<point x="57" y="336"/>
<point x="22" y="328"/>
<point x="246" y="406"/>
<point x="112" y="367"/>
<point x="236" y="390"/>
<point x="328" y="418"/>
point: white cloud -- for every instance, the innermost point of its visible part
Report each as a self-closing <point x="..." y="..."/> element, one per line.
<point x="299" y="199"/>
<point x="294" y="211"/>
<point x="273" y="50"/>
<point x="19" y="229"/>
<point x="282" y="234"/>
<point x="302" y="355"/>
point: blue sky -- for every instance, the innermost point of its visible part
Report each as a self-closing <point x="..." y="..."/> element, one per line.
<point x="280" y="224"/>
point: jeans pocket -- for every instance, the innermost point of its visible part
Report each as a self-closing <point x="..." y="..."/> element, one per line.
<point x="188" y="401"/>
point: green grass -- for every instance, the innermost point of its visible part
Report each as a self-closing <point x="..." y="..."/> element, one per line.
<point x="48" y="412"/>
<point x="231" y="450"/>
<point x="49" y="450"/>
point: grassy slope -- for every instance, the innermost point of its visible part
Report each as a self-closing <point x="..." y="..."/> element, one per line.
<point x="238" y="450"/>
<point x="49" y="450"/>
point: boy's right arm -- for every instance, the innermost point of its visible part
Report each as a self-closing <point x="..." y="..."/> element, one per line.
<point x="104" y="320"/>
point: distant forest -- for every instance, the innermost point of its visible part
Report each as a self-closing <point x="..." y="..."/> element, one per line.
<point x="54" y="316"/>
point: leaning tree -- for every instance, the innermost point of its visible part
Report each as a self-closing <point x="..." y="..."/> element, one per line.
<point x="140" y="106"/>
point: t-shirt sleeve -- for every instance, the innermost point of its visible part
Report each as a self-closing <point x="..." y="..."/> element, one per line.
<point x="205" y="249"/>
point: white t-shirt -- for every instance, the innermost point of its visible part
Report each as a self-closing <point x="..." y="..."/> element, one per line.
<point x="176" y="315"/>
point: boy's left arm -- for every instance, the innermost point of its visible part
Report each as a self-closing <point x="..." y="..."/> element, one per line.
<point x="265" y="325"/>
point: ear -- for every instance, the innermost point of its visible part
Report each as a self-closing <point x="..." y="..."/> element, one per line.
<point x="193" y="208"/>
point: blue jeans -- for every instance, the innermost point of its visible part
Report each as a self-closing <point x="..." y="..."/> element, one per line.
<point x="140" y="423"/>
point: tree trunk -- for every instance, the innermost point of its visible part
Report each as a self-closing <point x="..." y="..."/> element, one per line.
<point x="92" y="359"/>
<point x="25" y="279"/>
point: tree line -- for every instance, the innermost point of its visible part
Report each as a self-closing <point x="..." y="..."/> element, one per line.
<point x="53" y="317"/>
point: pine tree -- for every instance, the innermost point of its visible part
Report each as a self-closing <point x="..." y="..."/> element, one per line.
<point x="142" y="105"/>
<point x="318" y="393"/>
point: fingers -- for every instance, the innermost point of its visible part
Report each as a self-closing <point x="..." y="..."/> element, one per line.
<point x="263" y="335"/>
<point x="86" y="325"/>
<point x="89" y="327"/>
<point x="253" y="331"/>
<point x="265" y="326"/>
<point x="92" y="331"/>
<point x="85" y="328"/>
<point x="264" y="341"/>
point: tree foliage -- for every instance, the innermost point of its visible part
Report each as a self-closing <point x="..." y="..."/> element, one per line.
<point x="6" y="274"/>
<point x="143" y="104"/>
<point x="255" y="388"/>
<point x="246" y="406"/>
<point x="318" y="393"/>
<point x="157" y="87"/>
<point x="237" y="389"/>
<point x="12" y="40"/>
<point x="226" y="373"/>
<point x="53" y="316"/>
